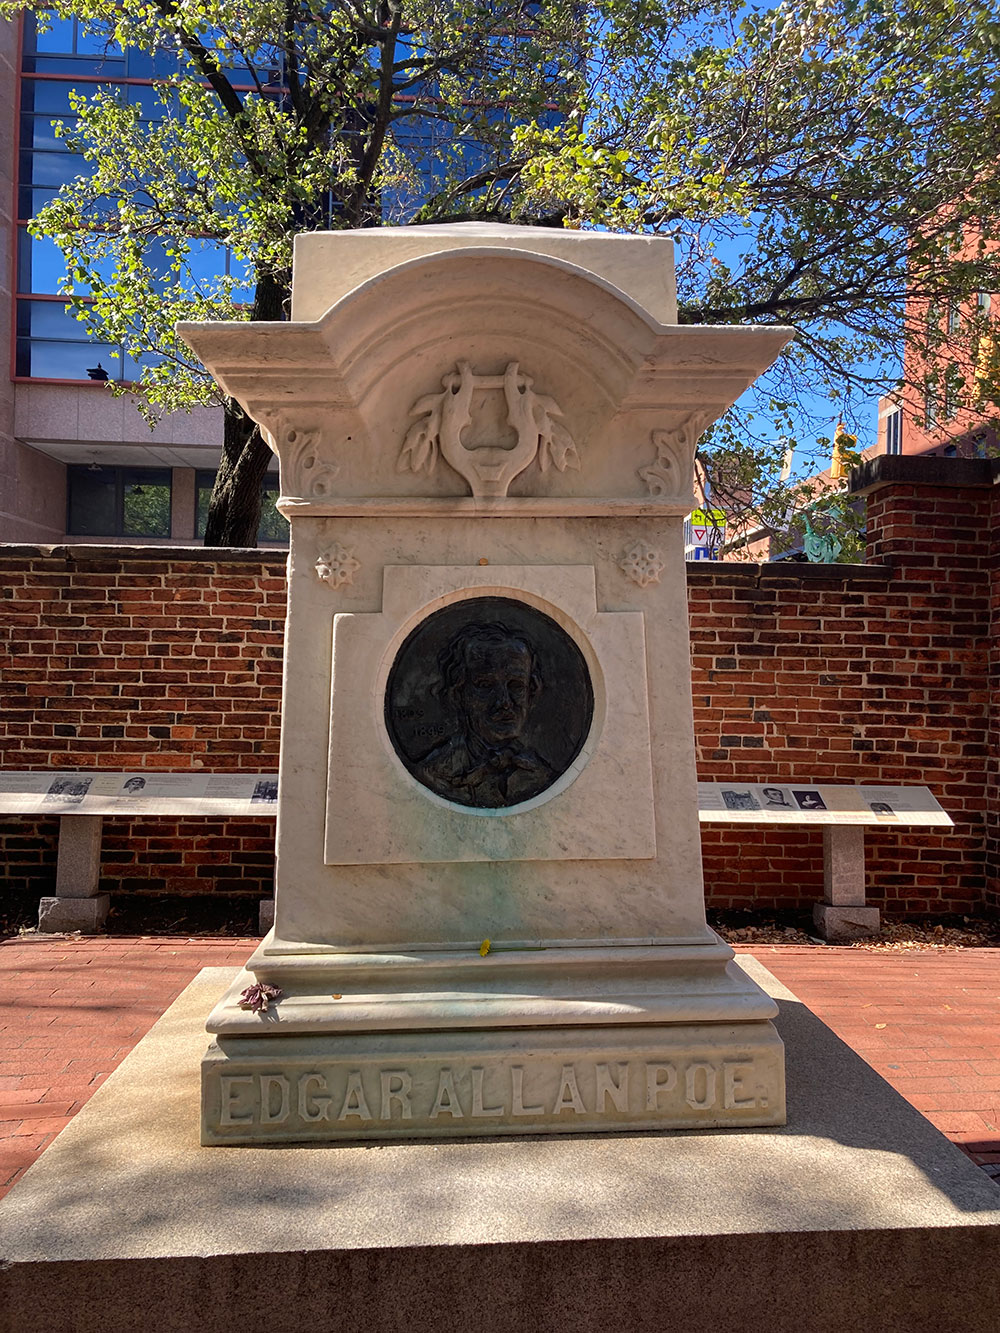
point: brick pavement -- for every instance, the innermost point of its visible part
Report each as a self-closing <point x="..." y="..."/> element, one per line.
<point x="73" y="1008"/>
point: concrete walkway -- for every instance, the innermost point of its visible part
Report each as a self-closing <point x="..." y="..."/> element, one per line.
<point x="73" y="1008"/>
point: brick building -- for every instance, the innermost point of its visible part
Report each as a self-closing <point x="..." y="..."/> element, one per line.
<point x="887" y="672"/>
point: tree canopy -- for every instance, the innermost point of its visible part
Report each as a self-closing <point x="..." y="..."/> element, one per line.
<point x="815" y="162"/>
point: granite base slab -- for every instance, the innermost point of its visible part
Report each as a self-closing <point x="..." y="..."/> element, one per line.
<point x="857" y="1215"/>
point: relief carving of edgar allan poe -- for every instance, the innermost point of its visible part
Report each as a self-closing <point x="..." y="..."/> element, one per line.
<point x="508" y="710"/>
<point x="491" y="677"/>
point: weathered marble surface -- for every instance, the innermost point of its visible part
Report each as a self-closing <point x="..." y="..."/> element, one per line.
<point x="463" y="413"/>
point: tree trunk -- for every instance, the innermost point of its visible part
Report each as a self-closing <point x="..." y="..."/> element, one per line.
<point x="234" y="509"/>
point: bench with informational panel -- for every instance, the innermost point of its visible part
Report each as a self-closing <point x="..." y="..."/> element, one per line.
<point x="843" y="813"/>
<point x="81" y="801"/>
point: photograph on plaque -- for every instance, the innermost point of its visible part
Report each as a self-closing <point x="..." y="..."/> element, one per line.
<point x="71" y="790"/>
<point x="264" y="793"/>
<point x="775" y="798"/>
<point x="488" y="702"/>
<point x="740" y="800"/>
<point x="133" y="786"/>
<point x="809" y="800"/>
<point x="881" y="808"/>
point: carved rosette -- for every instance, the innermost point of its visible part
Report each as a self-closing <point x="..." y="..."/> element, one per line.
<point x="337" y="565"/>
<point x="669" y="475"/>
<point x="642" y="563"/>
<point x="489" y="469"/>
<point x="303" y="472"/>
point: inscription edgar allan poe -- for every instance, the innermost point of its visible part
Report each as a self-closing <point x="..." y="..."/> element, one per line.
<point x="354" y="1098"/>
<point x="488" y="702"/>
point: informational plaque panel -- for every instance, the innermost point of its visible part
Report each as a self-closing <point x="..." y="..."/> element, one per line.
<point x="803" y="803"/>
<point x="138" y="793"/>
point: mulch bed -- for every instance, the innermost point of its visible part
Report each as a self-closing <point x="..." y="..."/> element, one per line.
<point x="141" y="914"/>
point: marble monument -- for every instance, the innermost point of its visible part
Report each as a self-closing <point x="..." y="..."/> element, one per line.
<point x="489" y="903"/>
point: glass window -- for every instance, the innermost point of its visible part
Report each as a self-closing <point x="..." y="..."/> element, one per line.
<point x="894" y="432"/>
<point x="39" y="359"/>
<point x="41" y="266"/>
<point x="49" y="319"/>
<point x="53" y="169"/>
<point x="30" y="202"/>
<point x="954" y="317"/>
<point x="930" y="407"/>
<point x="93" y="501"/>
<point x="110" y="66"/>
<point x="45" y="97"/>
<point x="59" y="37"/>
<point x="118" y="502"/>
<point x="949" y="406"/>
<point x="273" y="528"/>
<point x="38" y="133"/>
<point x="983" y="302"/>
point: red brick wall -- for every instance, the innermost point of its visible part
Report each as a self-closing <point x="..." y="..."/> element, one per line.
<point x="149" y="658"/>
<point x="880" y="673"/>
<point x="993" y="762"/>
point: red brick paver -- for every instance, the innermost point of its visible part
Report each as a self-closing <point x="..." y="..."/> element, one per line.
<point x="73" y="1008"/>
<point x="928" y="1022"/>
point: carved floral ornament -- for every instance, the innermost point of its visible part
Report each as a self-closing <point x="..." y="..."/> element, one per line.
<point x="669" y="474"/>
<point x="642" y="563"/>
<point x="489" y="469"/>
<point x="303" y="472"/>
<point x="337" y="565"/>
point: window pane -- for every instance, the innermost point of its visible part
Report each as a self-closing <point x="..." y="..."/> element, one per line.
<point x="132" y="365"/>
<point x="41" y="267"/>
<point x="86" y="67"/>
<point x="273" y="528"/>
<point x="97" y="43"/>
<point x="59" y="37"/>
<point x="45" y="97"/>
<point x="30" y="202"/>
<point x="64" y="360"/>
<point x="162" y="65"/>
<point x="49" y="319"/>
<point x="145" y="503"/>
<point x="204" y="481"/>
<point x="38" y="132"/>
<point x="53" y="169"/>
<point x="92" y="501"/>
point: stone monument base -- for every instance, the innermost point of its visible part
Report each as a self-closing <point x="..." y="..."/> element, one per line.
<point x="450" y="1044"/>
<point x="859" y="1216"/>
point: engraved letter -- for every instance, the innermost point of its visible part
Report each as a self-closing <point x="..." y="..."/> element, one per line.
<point x="228" y="1084"/>
<point x="733" y="1074"/>
<point x="695" y="1102"/>
<point x="518" y="1107"/>
<point x="568" y="1097"/>
<point x="267" y="1081"/>
<point x="354" y="1098"/>
<point x="400" y="1093"/>
<point x="446" y="1089"/>
<point x="659" y="1078"/>
<point x="312" y="1108"/>
<point x="478" y="1109"/>
<point x="607" y="1087"/>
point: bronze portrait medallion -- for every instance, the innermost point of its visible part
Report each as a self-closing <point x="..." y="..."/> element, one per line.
<point x="488" y="702"/>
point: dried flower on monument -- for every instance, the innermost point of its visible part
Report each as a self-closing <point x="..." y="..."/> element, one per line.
<point x="257" y="997"/>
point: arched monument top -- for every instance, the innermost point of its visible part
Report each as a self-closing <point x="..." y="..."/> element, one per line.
<point x="330" y="264"/>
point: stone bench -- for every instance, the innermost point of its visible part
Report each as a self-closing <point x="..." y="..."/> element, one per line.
<point x="81" y="800"/>
<point x="843" y="812"/>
